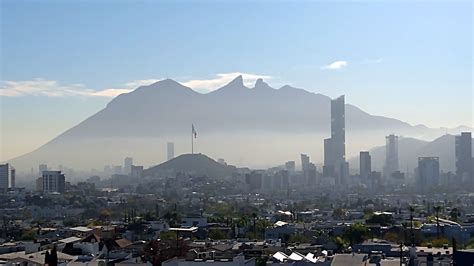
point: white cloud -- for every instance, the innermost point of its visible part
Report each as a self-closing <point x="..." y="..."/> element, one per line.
<point x="141" y="82"/>
<point x="372" y="61"/>
<point x="52" y="88"/>
<point x="207" y="85"/>
<point x="109" y="92"/>
<point x="41" y="87"/>
<point x="336" y="65"/>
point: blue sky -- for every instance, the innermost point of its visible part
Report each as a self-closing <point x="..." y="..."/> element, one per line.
<point x="62" y="60"/>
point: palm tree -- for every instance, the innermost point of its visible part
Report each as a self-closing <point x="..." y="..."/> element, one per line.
<point x="437" y="209"/>
<point x="254" y="218"/>
<point x="405" y="225"/>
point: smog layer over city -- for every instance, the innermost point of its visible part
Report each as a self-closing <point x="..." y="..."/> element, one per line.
<point x="236" y="133"/>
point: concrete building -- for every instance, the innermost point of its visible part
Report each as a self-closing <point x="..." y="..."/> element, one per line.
<point x="290" y="166"/>
<point x="117" y="170"/>
<point x="280" y="180"/>
<point x="254" y="180"/>
<point x="308" y="169"/>
<point x="136" y="171"/>
<point x="391" y="155"/>
<point x="304" y="161"/>
<point x="53" y="181"/>
<point x="41" y="168"/>
<point x="170" y="150"/>
<point x="428" y="173"/>
<point x="285" y="179"/>
<point x="464" y="161"/>
<point x="365" y="165"/>
<point x="127" y="165"/>
<point x="7" y="177"/>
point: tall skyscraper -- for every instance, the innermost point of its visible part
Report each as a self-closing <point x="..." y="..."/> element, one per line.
<point x="127" y="165"/>
<point x="12" y="177"/>
<point x="338" y="129"/>
<point x="365" y="164"/>
<point x="170" y="150"/>
<point x="304" y="162"/>
<point x="464" y="161"/>
<point x="53" y="181"/>
<point x="391" y="155"/>
<point x="4" y="177"/>
<point x="329" y="169"/>
<point x="7" y="177"/>
<point x="428" y="172"/>
<point x="309" y="170"/>
<point x="335" y="147"/>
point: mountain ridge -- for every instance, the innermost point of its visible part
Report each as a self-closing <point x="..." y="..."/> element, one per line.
<point x="151" y="115"/>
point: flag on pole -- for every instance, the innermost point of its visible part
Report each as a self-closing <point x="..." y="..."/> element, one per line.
<point x="193" y="131"/>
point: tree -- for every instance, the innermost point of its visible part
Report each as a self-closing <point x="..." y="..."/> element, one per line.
<point x="356" y="233"/>
<point x="104" y="214"/>
<point x="216" y="234"/>
<point x="439" y="242"/>
<point x="167" y="235"/>
<point x="339" y="214"/>
<point x="28" y="235"/>
<point x="392" y="237"/>
<point x="455" y="214"/>
<point x="262" y="224"/>
<point x="340" y="242"/>
<point x="53" y="257"/>
<point x="298" y="238"/>
<point x="243" y="221"/>
<point x="254" y="219"/>
<point x="382" y="219"/>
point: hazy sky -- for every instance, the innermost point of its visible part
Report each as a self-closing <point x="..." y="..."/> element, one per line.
<point x="61" y="61"/>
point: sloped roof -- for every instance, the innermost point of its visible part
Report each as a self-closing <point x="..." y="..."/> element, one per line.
<point x="280" y="256"/>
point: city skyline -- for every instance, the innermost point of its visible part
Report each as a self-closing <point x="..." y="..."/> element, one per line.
<point x="236" y="133"/>
<point x="377" y="63"/>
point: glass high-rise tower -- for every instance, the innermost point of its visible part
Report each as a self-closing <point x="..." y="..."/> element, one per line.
<point x="335" y="147"/>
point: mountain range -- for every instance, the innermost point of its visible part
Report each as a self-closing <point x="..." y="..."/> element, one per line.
<point x="256" y="127"/>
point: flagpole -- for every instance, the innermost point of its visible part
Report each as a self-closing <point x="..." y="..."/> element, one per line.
<point x="192" y="141"/>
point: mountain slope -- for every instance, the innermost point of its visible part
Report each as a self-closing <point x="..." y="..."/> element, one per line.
<point x="258" y="126"/>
